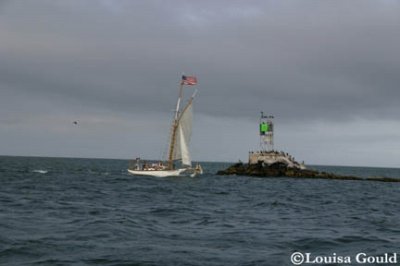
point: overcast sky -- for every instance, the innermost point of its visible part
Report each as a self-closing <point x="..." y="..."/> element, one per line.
<point x="329" y="71"/>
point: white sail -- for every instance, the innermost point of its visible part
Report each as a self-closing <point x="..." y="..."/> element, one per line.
<point x="183" y="134"/>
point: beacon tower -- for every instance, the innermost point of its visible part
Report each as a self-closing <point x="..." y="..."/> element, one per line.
<point x="266" y="132"/>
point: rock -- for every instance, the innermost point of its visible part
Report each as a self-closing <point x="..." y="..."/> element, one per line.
<point x="281" y="170"/>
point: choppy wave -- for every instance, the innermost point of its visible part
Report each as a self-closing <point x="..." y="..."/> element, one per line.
<point x="91" y="212"/>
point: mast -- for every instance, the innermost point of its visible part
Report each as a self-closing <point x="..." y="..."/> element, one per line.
<point x="174" y="128"/>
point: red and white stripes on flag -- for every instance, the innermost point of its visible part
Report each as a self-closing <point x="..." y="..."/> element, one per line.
<point x="189" y="80"/>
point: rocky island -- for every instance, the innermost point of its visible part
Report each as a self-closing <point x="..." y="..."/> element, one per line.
<point x="279" y="164"/>
<point x="269" y="163"/>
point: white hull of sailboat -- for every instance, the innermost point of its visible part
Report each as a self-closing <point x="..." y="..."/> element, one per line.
<point x="158" y="173"/>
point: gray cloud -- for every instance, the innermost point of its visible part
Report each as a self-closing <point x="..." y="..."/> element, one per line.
<point x="304" y="61"/>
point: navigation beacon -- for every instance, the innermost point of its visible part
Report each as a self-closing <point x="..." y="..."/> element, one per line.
<point x="266" y="132"/>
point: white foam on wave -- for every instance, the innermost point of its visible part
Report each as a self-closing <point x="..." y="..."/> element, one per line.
<point x="40" y="171"/>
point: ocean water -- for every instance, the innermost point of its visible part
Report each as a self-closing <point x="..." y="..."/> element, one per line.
<point x="56" y="211"/>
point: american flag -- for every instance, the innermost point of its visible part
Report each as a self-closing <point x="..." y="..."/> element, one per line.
<point x="189" y="80"/>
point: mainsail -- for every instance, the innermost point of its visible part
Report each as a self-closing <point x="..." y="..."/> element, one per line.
<point x="182" y="128"/>
<point x="182" y="136"/>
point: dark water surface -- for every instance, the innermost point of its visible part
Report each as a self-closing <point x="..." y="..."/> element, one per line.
<point x="56" y="211"/>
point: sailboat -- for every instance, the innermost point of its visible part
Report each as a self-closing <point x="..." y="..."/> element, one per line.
<point x="178" y="150"/>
